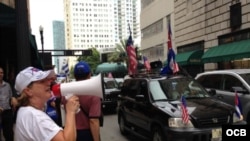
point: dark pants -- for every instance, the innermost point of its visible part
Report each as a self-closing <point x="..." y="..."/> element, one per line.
<point x="7" y="125"/>
<point x="84" y="135"/>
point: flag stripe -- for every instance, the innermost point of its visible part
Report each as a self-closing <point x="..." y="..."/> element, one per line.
<point x="65" y="68"/>
<point x="146" y="63"/>
<point x="169" y="36"/>
<point x="131" y="56"/>
<point x="185" y="115"/>
<point x="172" y="66"/>
<point x="238" y="106"/>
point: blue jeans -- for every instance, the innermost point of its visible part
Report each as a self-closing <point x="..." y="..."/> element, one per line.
<point x="84" y="135"/>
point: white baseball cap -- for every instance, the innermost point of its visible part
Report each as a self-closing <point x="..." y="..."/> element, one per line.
<point x="30" y="74"/>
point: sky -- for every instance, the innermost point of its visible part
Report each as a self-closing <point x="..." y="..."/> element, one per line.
<point x="42" y="13"/>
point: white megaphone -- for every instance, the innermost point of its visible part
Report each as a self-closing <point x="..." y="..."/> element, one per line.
<point x="92" y="86"/>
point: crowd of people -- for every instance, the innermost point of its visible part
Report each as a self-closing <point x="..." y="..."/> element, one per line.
<point x="35" y="114"/>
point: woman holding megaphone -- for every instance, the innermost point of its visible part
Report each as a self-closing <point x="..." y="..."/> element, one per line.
<point x="32" y="123"/>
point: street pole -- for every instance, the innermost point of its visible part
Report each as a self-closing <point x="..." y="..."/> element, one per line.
<point x="41" y="34"/>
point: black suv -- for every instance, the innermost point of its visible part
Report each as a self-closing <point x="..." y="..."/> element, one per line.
<point x="111" y="89"/>
<point x="150" y="107"/>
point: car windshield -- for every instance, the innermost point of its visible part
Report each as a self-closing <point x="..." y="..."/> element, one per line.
<point x="110" y="84"/>
<point x="173" y="89"/>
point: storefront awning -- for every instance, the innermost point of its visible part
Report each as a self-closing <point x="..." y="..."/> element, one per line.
<point x="35" y="58"/>
<point x="189" y="58"/>
<point x="227" y="52"/>
<point x="7" y="16"/>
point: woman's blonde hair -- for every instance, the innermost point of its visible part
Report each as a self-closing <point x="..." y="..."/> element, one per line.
<point x="23" y="99"/>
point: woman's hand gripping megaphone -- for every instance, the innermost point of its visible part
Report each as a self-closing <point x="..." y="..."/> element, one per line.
<point x="67" y="97"/>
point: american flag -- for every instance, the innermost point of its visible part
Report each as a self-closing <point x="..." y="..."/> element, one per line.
<point x="185" y="115"/>
<point x="172" y="66"/>
<point x="110" y="75"/>
<point x="131" y="56"/>
<point x="146" y="63"/>
<point x="238" y="106"/>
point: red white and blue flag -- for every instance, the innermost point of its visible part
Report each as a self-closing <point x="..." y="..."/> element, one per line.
<point x="238" y="106"/>
<point x="185" y="115"/>
<point x="110" y="75"/>
<point x="146" y="63"/>
<point x="132" y="66"/>
<point x="172" y="66"/>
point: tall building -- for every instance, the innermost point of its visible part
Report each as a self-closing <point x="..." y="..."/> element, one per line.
<point x="207" y="35"/>
<point x="17" y="44"/>
<point x="155" y="17"/>
<point x="59" y="43"/>
<point x="129" y="17"/>
<point x="220" y="29"/>
<point x="100" y="24"/>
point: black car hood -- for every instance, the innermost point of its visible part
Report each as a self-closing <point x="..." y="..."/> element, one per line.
<point x="197" y="108"/>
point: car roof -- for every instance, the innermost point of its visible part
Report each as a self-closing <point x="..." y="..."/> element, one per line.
<point x="237" y="71"/>
<point x="109" y="79"/>
<point x="157" y="77"/>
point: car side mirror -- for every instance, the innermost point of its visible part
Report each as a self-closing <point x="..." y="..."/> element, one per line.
<point x="120" y="84"/>
<point x="212" y="92"/>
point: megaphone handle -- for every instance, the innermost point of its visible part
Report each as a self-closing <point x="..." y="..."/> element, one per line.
<point x="67" y="97"/>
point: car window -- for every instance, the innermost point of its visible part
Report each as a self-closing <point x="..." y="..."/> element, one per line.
<point x="110" y="84"/>
<point x="156" y="91"/>
<point x="143" y="87"/>
<point x="130" y="88"/>
<point x="230" y="81"/>
<point x="173" y="89"/>
<point x="246" y="77"/>
<point x="211" y="81"/>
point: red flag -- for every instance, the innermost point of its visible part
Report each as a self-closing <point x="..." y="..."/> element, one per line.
<point x="131" y="56"/>
<point x="146" y="63"/>
<point x="185" y="116"/>
<point x="169" y="36"/>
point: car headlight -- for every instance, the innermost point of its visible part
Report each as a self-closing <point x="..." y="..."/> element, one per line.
<point x="178" y="123"/>
<point x="236" y="118"/>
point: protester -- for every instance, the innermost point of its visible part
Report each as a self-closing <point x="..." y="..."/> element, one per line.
<point x="8" y="103"/>
<point x="87" y="120"/>
<point x="32" y="123"/>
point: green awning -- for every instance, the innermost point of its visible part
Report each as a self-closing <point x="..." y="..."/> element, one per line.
<point x="35" y="58"/>
<point x="227" y="52"/>
<point x="7" y="16"/>
<point x="189" y="58"/>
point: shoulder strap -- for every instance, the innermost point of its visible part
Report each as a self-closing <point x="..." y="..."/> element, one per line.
<point x="84" y="112"/>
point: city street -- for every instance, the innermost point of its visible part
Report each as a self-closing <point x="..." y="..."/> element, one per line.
<point x="110" y="131"/>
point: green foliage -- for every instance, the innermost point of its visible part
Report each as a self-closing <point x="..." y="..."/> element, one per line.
<point x="120" y="54"/>
<point x="93" y="60"/>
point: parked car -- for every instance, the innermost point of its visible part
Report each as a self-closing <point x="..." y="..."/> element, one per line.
<point x="119" y="81"/>
<point x="223" y="84"/>
<point x="150" y="107"/>
<point x="111" y="88"/>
